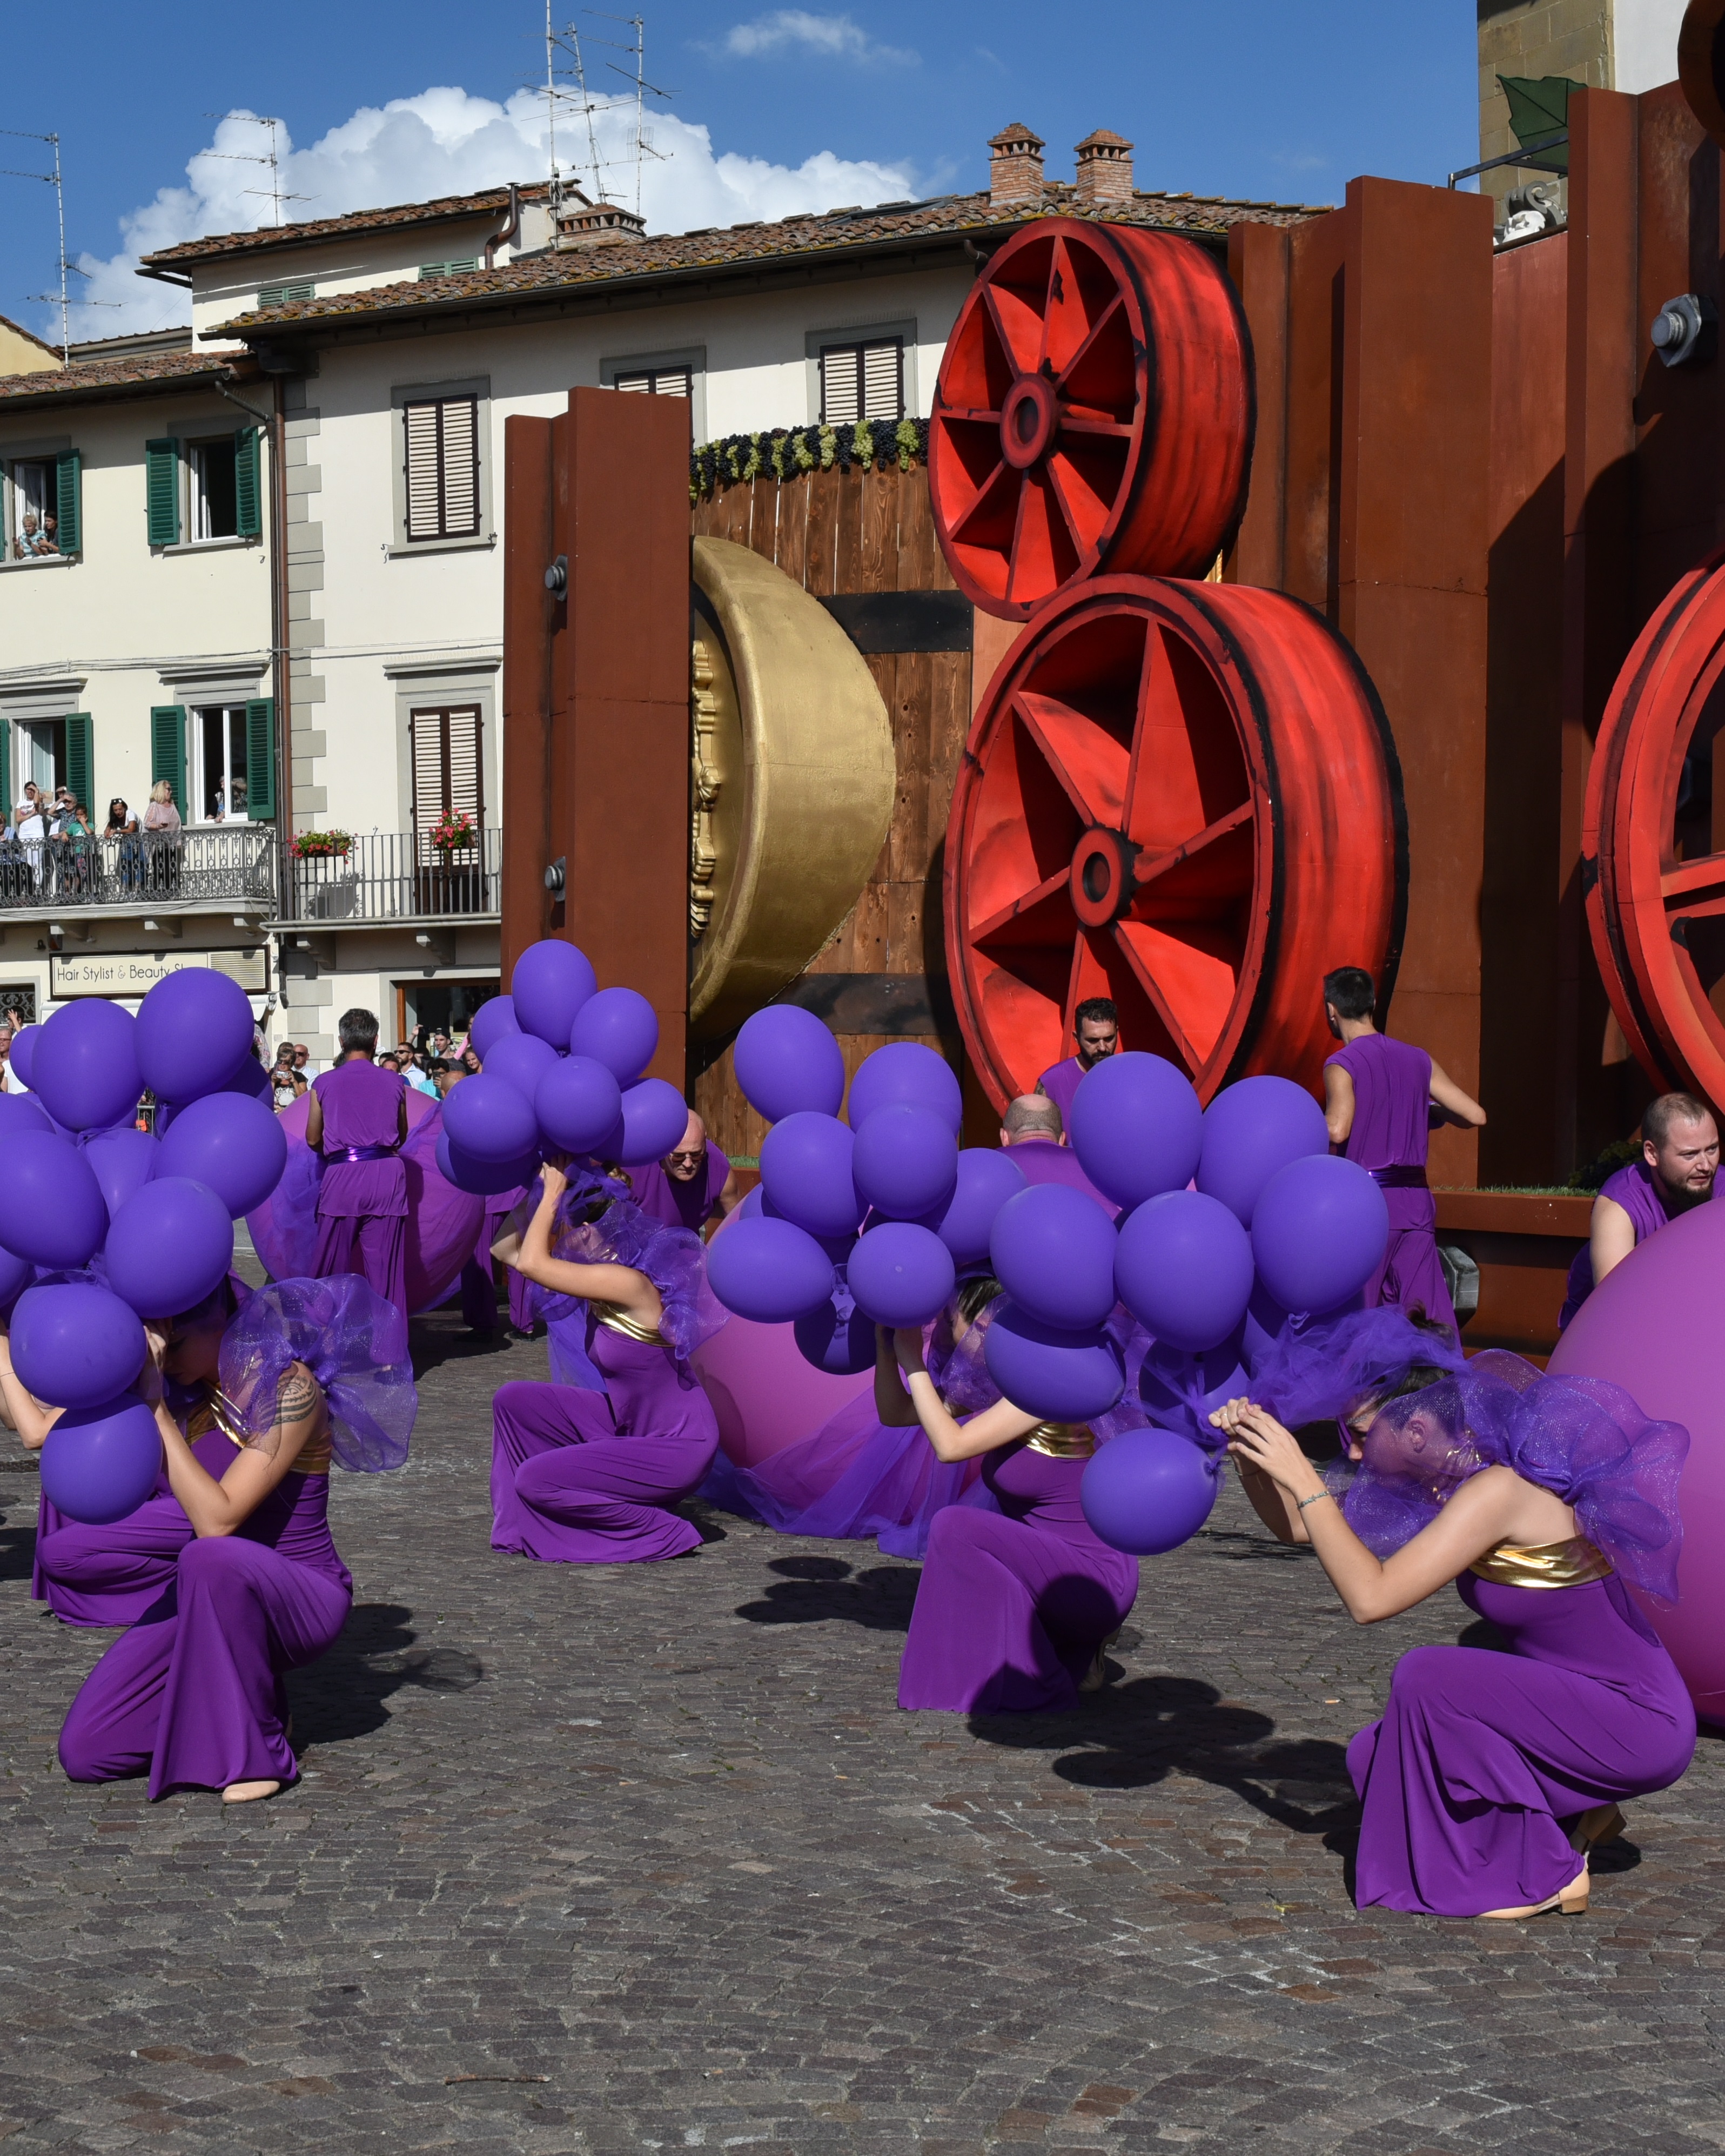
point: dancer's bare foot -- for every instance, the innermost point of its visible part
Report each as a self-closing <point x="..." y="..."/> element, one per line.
<point x="1096" y="1676"/>
<point x="249" y="1793"/>
<point x="1571" y="1902"/>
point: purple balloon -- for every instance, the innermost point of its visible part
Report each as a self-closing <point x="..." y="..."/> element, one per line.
<point x="520" y="1059"/>
<point x="654" y="1117"/>
<point x="485" y="1178"/>
<point x="900" y="1273"/>
<point x="489" y="1119"/>
<point x="494" y="1018"/>
<point x="806" y="1172"/>
<point x="1252" y="1129"/>
<point x="769" y="1271"/>
<point x="985" y="1181"/>
<point x="551" y="980"/>
<point x="1183" y="1265"/>
<point x="1046" y="1370"/>
<point x="838" y="1337"/>
<point x="23" y="1053"/>
<point x="74" y="1344"/>
<point x="1319" y="1232"/>
<point x="86" y="1069"/>
<point x="579" y="1103"/>
<point x="1052" y="1250"/>
<point x="1137" y="1128"/>
<point x="101" y="1462"/>
<point x="23" y="1111"/>
<point x="838" y="1248"/>
<point x="1264" y="1319"/>
<point x="231" y="1145"/>
<point x="251" y="1081"/>
<point x="754" y="1201"/>
<point x="618" y="1029"/>
<point x="170" y="1246"/>
<point x="53" y="1212"/>
<point x="122" y="1161"/>
<point x="787" y="1063"/>
<point x="1148" y="1491"/>
<point x="194" y="1030"/>
<point x="907" y="1162"/>
<point x="904" y="1074"/>
<point x="16" y="1275"/>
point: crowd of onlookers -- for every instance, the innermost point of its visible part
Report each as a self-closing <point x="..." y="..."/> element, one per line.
<point x="38" y="536"/>
<point x="430" y="1063"/>
<point x="53" y="844"/>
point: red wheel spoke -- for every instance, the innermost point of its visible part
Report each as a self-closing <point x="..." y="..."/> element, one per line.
<point x="1040" y="916"/>
<point x="969" y="416"/>
<point x="1694" y="889"/>
<point x="1103" y="429"/>
<point x="991" y="511"/>
<point x="1187" y="770"/>
<point x="1062" y="292"/>
<point x="1085" y="509"/>
<point x="1191" y="978"/>
<point x="1078" y="379"/>
<point x="1018" y="326"/>
<point x="1102" y="966"/>
<point x="1199" y="853"/>
<point x="1089" y="763"/>
<point x="1042" y="555"/>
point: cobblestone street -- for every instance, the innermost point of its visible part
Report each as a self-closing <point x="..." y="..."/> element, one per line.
<point x="645" y="1857"/>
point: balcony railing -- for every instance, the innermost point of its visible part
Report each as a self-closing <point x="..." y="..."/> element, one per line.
<point x="396" y="876"/>
<point x="226" y="864"/>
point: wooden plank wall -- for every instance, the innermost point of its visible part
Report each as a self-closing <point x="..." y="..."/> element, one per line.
<point x="864" y="531"/>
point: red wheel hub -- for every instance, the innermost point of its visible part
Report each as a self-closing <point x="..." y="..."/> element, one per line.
<point x="1030" y="419"/>
<point x="1102" y="881"/>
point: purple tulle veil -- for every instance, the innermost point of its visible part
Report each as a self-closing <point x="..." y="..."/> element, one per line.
<point x="674" y="1259"/>
<point x="339" y="1328"/>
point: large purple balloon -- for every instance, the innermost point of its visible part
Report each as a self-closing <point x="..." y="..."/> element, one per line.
<point x="905" y="1073"/>
<point x="494" y="1017"/>
<point x="1148" y="1491"/>
<point x="485" y="1178"/>
<point x="16" y="1275"/>
<point x="122" y="1161"/>
<point x="194" y="1030"/>
<point x="231" y="1145"/>
<point x="838" y="1248"/>
<point x="907" y="1162"/>
<point x="1137" y="1128"/>
<point x="806" y="1170"/>
<point x="837" y="1337"/>
<point x="1047" y="1371"/>
<point x="654" y="1117"/>
<point x="900" y="1274"/>
<point x="618" y="1029"/>
<point x="985" y="1181"/>
<point x="170" y="1246"/>
<point x="1052" y="1250"/>
<point x="1183" y="1265"/>
<point x="1264" y="1319"/>
<point x="1251" y="1130"/>
<point x="21" y="1054"/>
<point x="769" y="1271"/>
<point x="1319" y="1232"/>
<point x="73" y="1344"/>
<point x="86" y="1065"/>
<point x="551" y="982"/>
<point x="786" y="1062"/>
<point x="1171" y="1385"/>
<point x="52" y="1212"/>
<point x="489" y="1119"/>
<point x="101" y="1462"/>
<point x="520" y="1059"/>
<point x="579" y="1103"/>
<point x="23" y="1111"/>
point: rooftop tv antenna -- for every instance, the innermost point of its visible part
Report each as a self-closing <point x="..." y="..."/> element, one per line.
<point x="67" y="267"/>
<point x="587" y="105"/>
<point x="274" y="193"/>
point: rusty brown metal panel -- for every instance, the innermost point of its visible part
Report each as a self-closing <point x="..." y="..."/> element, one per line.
<point x="530" y="617"/>
<point x="1259" y="263"/>
<point x="1318" y="288"/>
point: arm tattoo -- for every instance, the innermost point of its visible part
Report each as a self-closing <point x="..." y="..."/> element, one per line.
<point x="299" y="1395"/>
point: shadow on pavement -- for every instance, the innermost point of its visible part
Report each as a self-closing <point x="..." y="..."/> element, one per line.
<point x="823" y="1590"/>
<point x="346" y="1694"/>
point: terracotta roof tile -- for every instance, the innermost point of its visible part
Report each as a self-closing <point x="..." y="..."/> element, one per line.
<point x="490" y="201"/>
<point x="133" y="369"/>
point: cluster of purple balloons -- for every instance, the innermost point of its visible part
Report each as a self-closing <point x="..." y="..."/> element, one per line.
<point x="106" y="1225"/>
<point x="562" y="1059"/>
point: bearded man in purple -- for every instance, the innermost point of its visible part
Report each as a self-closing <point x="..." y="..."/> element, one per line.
<point x="356" y="1125"/>
<point x="691" y="1186"/>
<point x="1096" y="1025"/>
<point x="1378" y="1095"/>
<point x="1678" y="1170"/>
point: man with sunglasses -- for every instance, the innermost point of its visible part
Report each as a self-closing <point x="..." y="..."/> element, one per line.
<point x="691" y="1185"/>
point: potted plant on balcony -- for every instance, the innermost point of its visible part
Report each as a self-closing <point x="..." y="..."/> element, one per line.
<point x="452" y="880"/>
<point x="326" y="892"/>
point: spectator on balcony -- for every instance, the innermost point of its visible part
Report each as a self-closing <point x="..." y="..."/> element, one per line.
<point x="8" y="1083"/>
<point x="31" y="829"/>
<point x="161" y="816"/>
<point x="357" y="1126"/>
<point x="123" y="828"/>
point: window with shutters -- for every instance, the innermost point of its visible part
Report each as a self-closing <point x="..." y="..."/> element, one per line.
<point x="657" y="381"/>
<point x="32" y="526"/>
<point x="220" y="744"/>
<point x="442" y="468"/>
<point x="446" y="743"/>
<point x="862" y="381"/>
<point x="212" y="483"/>
<point x="454" y="269"/>
<point x="285" y="295"/>
<point x="681" y="373"/>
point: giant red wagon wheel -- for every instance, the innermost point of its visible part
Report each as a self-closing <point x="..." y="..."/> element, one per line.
<point x="1094" y="414"/>
<point x="1653" y="841"/>
<point x="1183" y="795"/>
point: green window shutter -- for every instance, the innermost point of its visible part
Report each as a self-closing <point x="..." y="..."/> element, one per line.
<point x="81" y="759"/>
<point x="247" y="501"/>
<point x="5" y="767"/>
<point x="68" y="506"/>
<point x="261" y="758"/>
<point x="167" y="749"/>
<point x="162" y="492"/>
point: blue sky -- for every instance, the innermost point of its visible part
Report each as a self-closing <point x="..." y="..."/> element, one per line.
<point x="801" y="108"/>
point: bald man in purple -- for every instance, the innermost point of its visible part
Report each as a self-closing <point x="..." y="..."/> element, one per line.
<point x="1678" y="1170"/>
<point x="693" y="1184"/>
<point x="356" y="1124"/>
<point x="1378" y="1095"/>
<point x="1096" y="1027"/>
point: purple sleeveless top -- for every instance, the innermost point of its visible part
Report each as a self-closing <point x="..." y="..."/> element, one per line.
<point x="662" y="1197"/>
<point x="1633" y="1188"/>
<point x="1392" y="1095"/>
<point x="1061" y="1083"/>
<point x="294" y="1521"/>
<point x="649" y="1396"/>
<point x="361" y="1111"/>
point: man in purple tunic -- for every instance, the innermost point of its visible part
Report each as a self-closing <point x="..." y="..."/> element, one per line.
<point x="1678" y="1170"/>
<point x="1096" y="1024"/>
<point x="1378" y="1095"/>
<point x="357" y="1123"/>
<point x="1033" y="1129"/>
<point x="689" y="1187"/>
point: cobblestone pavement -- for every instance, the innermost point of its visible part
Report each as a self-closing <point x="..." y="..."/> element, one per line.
<point x="645" y="1857"/>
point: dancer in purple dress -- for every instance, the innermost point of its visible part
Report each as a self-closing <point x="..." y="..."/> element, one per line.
<point x="191" y="1694"/>
<point x="358" y="1123"/>
<point x="869" y="1470"/>
<point x="1378" y="1095"/>
<point x="1489" y="1775"/>
<point x="1016" y="1602"/>
<point x="1679" y="1169"/>
<point x="584" y="1476"/>
<point x="693" y="1184"/>
<point x="1096" y="1026"/>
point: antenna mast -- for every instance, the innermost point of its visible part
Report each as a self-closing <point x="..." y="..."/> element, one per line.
<point x="51" y="179"/>
<point x="275" y="192"/>
<point x="568" y="41"/>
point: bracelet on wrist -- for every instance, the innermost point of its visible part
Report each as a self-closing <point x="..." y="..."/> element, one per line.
<point x="1317" y="1494"/>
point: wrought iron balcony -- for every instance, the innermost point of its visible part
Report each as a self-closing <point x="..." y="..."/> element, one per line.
<point x="224" y="864"/>
<point x="387" y="877"/>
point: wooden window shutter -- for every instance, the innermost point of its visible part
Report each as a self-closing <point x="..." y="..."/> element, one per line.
<point x="68" y="502"/>
<point x="443" y="468"/>
<point x="5" y="768"/>
<point x="840" y="385"/>
<point x="460" y="457"/>
<point x="81" y="759"/>
<point x="167" y="749"/>
<point x="261" y="758"/>
<point x="883" y="372"/>
<point x="162" y="492"/>
<point x="248" y="505"/>
<point x="448" y="769"/>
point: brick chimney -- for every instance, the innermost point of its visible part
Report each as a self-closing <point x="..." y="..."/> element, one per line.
<point x="1015" y="168"/>
<point x="1105" y="169"/>
<point x="585" y="224"/>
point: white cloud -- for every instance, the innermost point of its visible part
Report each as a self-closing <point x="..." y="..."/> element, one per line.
<point x="445" y="142"/>
<point x="832" y="36"/>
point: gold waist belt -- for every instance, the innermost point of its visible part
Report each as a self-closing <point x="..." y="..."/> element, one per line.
<point x="1572" y="1563"/>
<point x="1062" y="1440"/>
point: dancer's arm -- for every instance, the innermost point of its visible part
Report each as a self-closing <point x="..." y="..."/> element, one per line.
<point x="20" y="1408"/>
<point x="1003" y="1424"/>
<point x="620" y="1286"/>
<point x="217" y="1508"/>
<point x="892" y="1403"/>
<point x="314" y="1120"/>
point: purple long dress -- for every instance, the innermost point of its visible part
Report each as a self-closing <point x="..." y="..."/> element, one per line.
<point x="192" y="1692"/>
<point x="362" y="1200"/>
<point x="1013" y="1605"/>
<point x="479" y="1279"/>
<point x="110" y="1575"/>
<point x="1390" y="1139"/>
<point x="678" y="1204"/>
<point x="1480" y="1758"/>
<point x="1634" y="1189"/>
<point x="583" y="1477"/>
